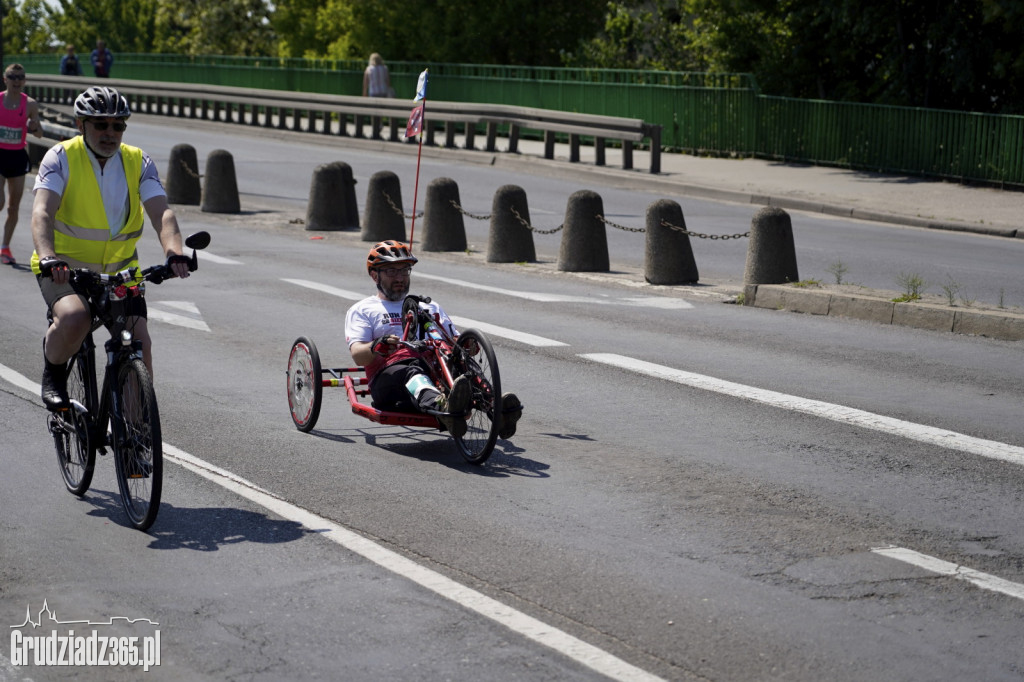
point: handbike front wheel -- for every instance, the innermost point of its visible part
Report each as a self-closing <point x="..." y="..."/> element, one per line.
<point x="76" y="453"/>
<point x="305" y="384"/>
<point x="481" y="425"/>
<point x="138" y="444"/>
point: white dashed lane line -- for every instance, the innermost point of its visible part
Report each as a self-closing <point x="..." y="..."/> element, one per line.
<point x="847" y="415"/>
<point x="929" y="563"/>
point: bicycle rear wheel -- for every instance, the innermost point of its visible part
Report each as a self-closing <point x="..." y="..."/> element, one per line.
<point x="305" y="384"/>
<point x="76" y="451"/>
<point x="138" y="446"/>
<point x="482" y="425"/>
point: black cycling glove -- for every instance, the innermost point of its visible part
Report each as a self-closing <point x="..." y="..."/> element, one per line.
<point x="177" y="258"/>
<point x="46" y="265"/>
<point x="382" y="347"/>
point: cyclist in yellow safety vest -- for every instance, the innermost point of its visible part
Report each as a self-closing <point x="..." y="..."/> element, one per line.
<point x="90" y="194"/>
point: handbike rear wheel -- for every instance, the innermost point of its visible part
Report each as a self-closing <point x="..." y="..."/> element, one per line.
<point x="137" y="443"/>
<point x="76" y="453"/>
<point x="305" y="385"/>
<point x="482" y="425"/>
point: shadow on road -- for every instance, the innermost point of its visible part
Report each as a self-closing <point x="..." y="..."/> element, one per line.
<point x="203" y="529"/>
<point x="433" y="446"/>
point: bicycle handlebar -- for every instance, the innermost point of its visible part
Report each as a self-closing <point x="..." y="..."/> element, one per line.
<point x="154" y="273"/>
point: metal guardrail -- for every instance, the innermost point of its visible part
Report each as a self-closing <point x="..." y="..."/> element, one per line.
<point x="331" y="114"/>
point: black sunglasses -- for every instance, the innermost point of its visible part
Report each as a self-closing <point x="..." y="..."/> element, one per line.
<point x="118" y="126"/>
<point x="10" y="77"/>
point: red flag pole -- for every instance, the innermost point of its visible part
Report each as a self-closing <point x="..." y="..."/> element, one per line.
<point x="416" y="185"/>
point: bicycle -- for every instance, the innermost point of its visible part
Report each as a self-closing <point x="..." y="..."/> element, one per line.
<point x="448" y="357"/>
<point x="126" y="402"/>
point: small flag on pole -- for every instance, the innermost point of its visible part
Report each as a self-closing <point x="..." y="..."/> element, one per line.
<point x="415" y="124"/>
<point x="421" y="87"/>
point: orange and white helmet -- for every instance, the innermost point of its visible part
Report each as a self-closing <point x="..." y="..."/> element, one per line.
<point x="387" y="252"/>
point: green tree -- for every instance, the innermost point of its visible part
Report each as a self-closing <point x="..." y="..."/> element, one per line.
<point x="221" y="27"/>
<point x="533" y="32"/>
<point x="639" y="35"/>
<point x="964" y="55"/>
<point x="314" y="28"/>
<point x="125" y="26"/>
<point x="27" y="28"/>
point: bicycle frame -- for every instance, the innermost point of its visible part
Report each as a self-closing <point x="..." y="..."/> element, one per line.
<point x="125" y="405"/>
<point x="121" y="347"/>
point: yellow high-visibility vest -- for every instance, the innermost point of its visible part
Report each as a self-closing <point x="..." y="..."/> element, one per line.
<point x="82" y="235"/>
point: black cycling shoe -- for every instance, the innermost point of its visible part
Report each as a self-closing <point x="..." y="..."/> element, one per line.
<point x="512" y="410"/>
<point x="55" y="386"/>
<point x="456" y="404"/>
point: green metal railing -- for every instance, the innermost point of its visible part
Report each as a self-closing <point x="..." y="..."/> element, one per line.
<point x="699" y="112"/>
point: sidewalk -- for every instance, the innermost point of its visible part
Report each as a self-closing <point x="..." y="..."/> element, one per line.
<point x="896" y="199"/>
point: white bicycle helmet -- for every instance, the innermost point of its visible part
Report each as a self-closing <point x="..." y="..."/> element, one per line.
<point x="101" y="101"/>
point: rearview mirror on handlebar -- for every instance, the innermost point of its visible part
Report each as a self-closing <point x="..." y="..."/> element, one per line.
<point x="199" y="240"/>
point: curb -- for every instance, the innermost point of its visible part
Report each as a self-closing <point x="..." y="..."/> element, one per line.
<point x="1005" y="325"/>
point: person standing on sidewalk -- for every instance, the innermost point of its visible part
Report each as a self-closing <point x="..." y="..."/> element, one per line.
<point x="102" y="60"/>
<point x="69" y="65"/>
<point x="19" y="116"/>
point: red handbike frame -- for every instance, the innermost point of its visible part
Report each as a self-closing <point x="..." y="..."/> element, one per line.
<point x="447" y="357"/>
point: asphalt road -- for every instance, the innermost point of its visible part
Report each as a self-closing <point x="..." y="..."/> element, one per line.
<point x="697" y="490"/>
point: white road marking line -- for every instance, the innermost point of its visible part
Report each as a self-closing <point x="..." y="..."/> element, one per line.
<point x="839" y="413"/>
<point x="527" y="626"/>
<point x="187" y="306"/>
<point x="460" y="322"/>
<point x="155" y="313"/>
<point x="985" y="581"/>
<point x="20" y="380"/>
<point x="505" y="332"/>
<point x="222" y="260"/>
<point x="661" y="302"/>
<point x="328" y="289"/>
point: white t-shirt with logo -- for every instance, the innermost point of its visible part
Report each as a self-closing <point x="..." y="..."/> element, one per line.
<point x="374" y="317"/>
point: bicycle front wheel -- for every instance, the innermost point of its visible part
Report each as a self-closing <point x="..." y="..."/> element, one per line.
<point x="138" y="446"/>
<point x="76" y="451"/>
<point x="305" y="384"/>
<point x="482" y="425"/>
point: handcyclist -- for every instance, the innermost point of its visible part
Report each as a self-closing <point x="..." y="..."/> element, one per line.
<point x="399" y="379"/>
<point x="90" y="194"/>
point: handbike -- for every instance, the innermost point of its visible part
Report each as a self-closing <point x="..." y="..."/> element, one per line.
<point x="127" y="400"/>
<point x="448" y="357"/>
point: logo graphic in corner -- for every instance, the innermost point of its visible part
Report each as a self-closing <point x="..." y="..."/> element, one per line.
<point x="86" y="647"/>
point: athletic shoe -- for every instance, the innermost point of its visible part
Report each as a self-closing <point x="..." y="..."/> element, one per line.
<point x="512" y="410"/>
<point x="456" y="403"/>
<point x="7" y="258"/>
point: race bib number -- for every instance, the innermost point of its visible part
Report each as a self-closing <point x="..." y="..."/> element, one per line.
<point x="10" y="135"/>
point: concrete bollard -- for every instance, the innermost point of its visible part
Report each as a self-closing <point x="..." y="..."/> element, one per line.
<point x="220" y="188"/>
<point x="584" y="246"/>
<point x="183" y="186"/>
<point x="509" y="240"/>
<point x="668" y="256"/>
<point x="332" y="199"/>
<point x="443" y="227"/>
<point x="383" y="219"/>
<point x="771" y="255"/>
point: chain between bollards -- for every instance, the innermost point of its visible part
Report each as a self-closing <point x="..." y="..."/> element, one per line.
<point x="702" y="235"/>
<point x="394" y="207"/>
<point x="531" y="227"/>
<point x="188" y="170"/>
<point x="464" y="212"/>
